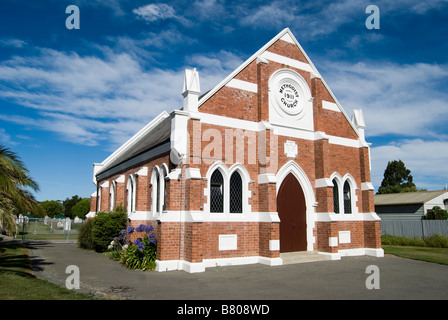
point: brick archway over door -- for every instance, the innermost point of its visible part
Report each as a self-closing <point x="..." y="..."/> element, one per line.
<point x="291" y="207"/>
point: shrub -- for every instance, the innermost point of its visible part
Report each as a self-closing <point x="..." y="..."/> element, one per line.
<point x="402" y="241"/>
<point x="436" y="213"/>
<point x="436" y="241"/>
<point x="140" y="254"/>
<point x="85" y="237"/>
<point x="106" y="225"/>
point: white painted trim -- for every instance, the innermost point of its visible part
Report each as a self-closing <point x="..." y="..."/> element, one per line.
<point x="286" y="37"/>
<point x="267" y="178"/>
<point x="331" y="216"/>
<point x="303" y="117"/>
<point x="105" y="184"/>
<point x="131" y="197"/>
<point x="279" y="129"/>
<point x="274" y="245"/>
<point x="143" y="172"/>
<point x="323" y="183"/>
<point x="227" y="242"/>
<point x="170" y="265"/>
<point x="226" y="174"/>
<point x="361" y="252"/>
<point x="345" y="236"/>
<point x="288" y="61"/>
<point x="243" y="85"/>
<point x="200" y="216"/>
<point x="333" y="241"/>
<point x="91" y="214"/>
<point x="367" y="186"/>
<point x="192" y="173"/>
<point x="330" y="106"/>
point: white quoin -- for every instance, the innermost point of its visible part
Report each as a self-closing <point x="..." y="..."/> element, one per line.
<point x="191" y="90"/>
<point x="358" y="121"/>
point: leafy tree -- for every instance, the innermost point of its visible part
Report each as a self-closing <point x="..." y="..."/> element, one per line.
<point x="52" y="208"/>
<point x="81" y="208"/>
<point x="15" y="195"/>
<point x="69" y="204"/>
<point x="397" y="178"/>
<point x="436" y="213"/>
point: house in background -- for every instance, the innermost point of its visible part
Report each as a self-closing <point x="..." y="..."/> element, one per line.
<point x="409" y="205"/>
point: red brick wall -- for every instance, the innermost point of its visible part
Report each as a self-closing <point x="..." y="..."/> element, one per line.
<point x="319" y="159"/>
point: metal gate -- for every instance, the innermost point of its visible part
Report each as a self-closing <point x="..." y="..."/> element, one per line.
<point x="61" y="230"/>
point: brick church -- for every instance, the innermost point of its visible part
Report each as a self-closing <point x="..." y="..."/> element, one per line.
<point x="265" y="163"/>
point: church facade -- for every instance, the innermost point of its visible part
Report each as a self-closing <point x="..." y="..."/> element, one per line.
<point x="266" y="162"/>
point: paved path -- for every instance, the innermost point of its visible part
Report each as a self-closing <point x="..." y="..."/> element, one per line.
<point x="343" y="279"/>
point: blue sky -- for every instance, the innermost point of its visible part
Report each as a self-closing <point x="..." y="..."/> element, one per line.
<point x="68" y="98"/>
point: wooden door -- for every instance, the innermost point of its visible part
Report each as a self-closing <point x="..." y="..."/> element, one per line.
<point x="291" y="208"/>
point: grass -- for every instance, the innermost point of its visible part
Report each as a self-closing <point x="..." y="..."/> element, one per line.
<point x="429" y="254"/>
<point x="430" y="249"/>
<point x="18" y="283"/>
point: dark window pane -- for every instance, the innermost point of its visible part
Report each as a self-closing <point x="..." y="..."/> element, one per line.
<point x="236" y="193"/>
<point x="347" y="198"/>
<point x="216" y="192"/>
<point x="335" y="196"/>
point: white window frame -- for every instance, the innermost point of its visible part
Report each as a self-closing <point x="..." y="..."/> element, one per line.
<point x="226" y="174"/>
<point x="112" y="191"/>
<point x="131" y="193"/>
<point x="353" y="198"/>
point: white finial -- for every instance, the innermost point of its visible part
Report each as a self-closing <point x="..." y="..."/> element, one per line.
<point x="358" y="121"/>
<point x="191" y="90"/>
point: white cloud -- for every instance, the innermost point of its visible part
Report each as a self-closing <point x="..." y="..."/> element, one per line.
<point x="322" y="18"/>
<point x="396" y="99"/>
<point x="86" y="99"/>
<point x="12" y="42"/>
<point x="426" y="159"/>
<point x="99" y="101"/>
<point x="5" y="138"/>
<point x="159" y="11"/>
<point x="155" y="11"/>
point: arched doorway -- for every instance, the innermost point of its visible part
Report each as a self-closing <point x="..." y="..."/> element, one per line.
<point x="291" y="207"/>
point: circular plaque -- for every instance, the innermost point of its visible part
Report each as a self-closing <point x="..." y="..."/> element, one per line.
<point x="288" y="96"/>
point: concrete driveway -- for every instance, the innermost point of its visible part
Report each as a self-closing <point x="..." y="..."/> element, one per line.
<point x="344" y="279"/>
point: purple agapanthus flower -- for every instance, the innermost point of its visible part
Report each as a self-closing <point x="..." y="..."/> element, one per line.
<point x="140" y="228"/>
<point x="152" y="235"/>
<point x="139" y="243"/>
<point x="149" y="228"/>
<point x="130" y="230"/>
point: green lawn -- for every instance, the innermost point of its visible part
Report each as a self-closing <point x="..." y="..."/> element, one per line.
<point x="18" y="283"/>
<point x="429" y="254"/>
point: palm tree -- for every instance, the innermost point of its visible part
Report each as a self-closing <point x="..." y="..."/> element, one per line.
<point x="14" y="195"/>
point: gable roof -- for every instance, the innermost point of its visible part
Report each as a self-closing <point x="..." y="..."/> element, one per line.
<point x="155" y="132"/>
<point x="420" y="197"/>
<point x="288" y="36"/>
